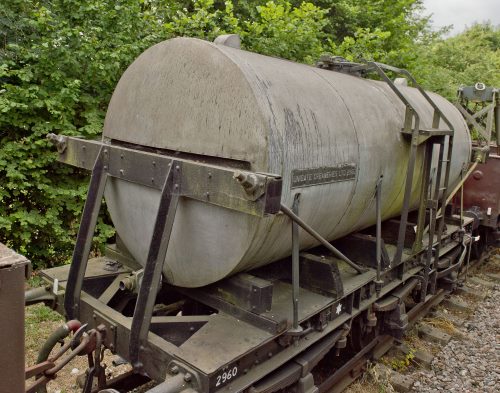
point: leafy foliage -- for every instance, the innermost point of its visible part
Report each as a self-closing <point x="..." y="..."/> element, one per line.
<point x="60" y="61"/>
<point x="284" y="31"/>
<point x="470" y="57"/>
<point x="276" y="28"/>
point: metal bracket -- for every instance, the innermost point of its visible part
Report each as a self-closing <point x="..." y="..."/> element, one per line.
<point x="187" y="377"/>
<point x="85" y="235"/>
<point x="320" y="274"/>
<point x="412" y="127"/>
<point x="109" y="326"/>
<point x="143" y="312"/>
<point x="295" y="218"/>
<point x="257" y="194"/>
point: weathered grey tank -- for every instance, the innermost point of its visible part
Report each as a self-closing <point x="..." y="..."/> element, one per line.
<point x="329" y="135"/>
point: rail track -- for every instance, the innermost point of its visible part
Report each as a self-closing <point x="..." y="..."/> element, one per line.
<point x="354" y="368"/>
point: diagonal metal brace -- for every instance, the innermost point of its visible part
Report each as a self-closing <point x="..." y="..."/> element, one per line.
<point x="320" y="238"/>
<point x="85" y="235"/>
<point x="151" y="280"/>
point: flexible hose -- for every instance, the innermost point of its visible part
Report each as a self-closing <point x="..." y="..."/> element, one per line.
<point x="60" y="334"/>
<point x="40" y="295"/>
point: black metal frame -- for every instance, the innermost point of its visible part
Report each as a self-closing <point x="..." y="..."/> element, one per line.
<point x="85" y="233"/>
<point x="418" y="136"/>
<point x="151" y="170"/>
<point x="491" y="109"/>
<point x="151" y="280"/>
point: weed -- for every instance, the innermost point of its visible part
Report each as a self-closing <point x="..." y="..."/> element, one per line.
<point x="401" y="363"/>
<point x="35" y="281"/>
<point x="443" y="324"/>
<point x="39" y="313"/>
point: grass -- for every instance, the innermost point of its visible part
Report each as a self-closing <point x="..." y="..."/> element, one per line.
<point x="35" y="281"/>
<point x="39" y="314"/>
<point x="374" y="380"/>
<point x="40" y="322"/>
<point x="443" y="324"/>
<point x="418" y="344"/>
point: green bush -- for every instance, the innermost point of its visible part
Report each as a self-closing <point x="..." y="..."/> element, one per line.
<point x="276" y="28"/>
<point x="470" y="57"/>
<point x="60" y="61"/>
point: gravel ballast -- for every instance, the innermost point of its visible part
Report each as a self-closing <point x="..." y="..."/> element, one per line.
<point x="470" y="362"/>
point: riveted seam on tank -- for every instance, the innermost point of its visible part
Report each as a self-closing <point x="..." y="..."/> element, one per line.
<point x="355" y="186"/>
<point x="228" y="53"/>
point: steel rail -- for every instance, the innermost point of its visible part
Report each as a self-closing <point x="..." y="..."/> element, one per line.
<point x="346" y="374"/>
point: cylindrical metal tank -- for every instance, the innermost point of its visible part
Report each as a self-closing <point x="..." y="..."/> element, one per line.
<point x="280" y="117"/>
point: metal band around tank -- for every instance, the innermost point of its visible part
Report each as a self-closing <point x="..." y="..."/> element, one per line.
<point x="211" y="184"/>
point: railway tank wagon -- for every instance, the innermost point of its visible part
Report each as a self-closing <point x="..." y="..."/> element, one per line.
<point x="328" y="135"/>
<point x="273" y="219"/>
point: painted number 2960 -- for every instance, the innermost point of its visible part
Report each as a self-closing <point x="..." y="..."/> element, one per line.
<point x="226" y="376"/>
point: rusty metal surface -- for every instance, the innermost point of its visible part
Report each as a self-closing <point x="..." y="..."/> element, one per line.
<point x="12" y="274"/>
<point x="482" y="189"/>
<point x="196" y="97"/>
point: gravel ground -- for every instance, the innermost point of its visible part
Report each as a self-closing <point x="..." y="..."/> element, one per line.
<point x="470" y="362"/>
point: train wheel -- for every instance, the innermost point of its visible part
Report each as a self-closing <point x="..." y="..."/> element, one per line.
<point x="479" y="247"/>
<point x="362" y="331"/>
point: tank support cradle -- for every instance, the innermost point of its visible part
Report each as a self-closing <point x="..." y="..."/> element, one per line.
<point x="176" y="178"/>
<point x="429" y="201"/>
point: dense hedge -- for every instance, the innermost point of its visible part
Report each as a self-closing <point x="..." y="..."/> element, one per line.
<point x="60" y="60"/>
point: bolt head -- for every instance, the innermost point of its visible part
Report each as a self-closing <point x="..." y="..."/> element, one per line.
<point x="174" y="370"/>
<point x="187" y="377"/>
